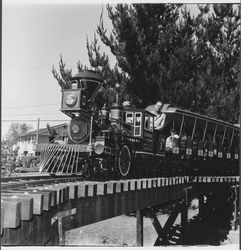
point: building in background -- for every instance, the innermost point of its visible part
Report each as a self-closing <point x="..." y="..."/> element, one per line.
<point x="26" y="143"/>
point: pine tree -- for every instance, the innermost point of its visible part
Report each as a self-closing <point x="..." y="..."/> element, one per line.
<point x="141" y="38"/>
<point x="218" y="44"/>
<point x="163" y="53"/>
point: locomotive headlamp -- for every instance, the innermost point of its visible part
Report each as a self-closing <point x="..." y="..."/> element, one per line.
<point x="75" y="128"/>
<point x="70" y="99"/>
<point x="99" y="149"/>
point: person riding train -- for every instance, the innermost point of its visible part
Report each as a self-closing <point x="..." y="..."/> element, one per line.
<point x="159" y="119"/>
<point x="159" y="122"/>
<point x="172" y="140"/>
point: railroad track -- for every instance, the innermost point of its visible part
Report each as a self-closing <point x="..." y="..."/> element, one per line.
<point x="31" y="203"/>
<point x="35" y="180"/>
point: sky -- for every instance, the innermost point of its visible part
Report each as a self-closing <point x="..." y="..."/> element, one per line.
<point x="34" y="35"/>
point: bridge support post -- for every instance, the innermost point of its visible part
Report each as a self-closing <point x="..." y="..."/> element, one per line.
<point x="166" y="233"/>
<point x="162" y="235"/>
<point x="235" y="209"/>
<point x="139" y="228"/>
<point x="184" y="224"/>
<point x="184" y="216"/>
<point x="201" y="206"/>
<point x="59" y="218"/>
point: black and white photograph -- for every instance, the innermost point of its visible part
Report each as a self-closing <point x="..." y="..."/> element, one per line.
<point x="120" y="124"/>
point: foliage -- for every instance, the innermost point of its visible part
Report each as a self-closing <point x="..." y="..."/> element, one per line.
<point x="65" y="75"/>
<point x="164" y="53"/>
<point x="15" y="130"/>
<point x="8" y="159"/>
<point x="218" y="41"/>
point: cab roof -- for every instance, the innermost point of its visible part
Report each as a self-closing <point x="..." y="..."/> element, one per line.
<point x="87" y="74"/>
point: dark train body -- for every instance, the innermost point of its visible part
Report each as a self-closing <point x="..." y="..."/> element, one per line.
<point x="123" y="141"/>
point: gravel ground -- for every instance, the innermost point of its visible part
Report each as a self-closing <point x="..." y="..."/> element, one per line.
<point x="121" y="231"/>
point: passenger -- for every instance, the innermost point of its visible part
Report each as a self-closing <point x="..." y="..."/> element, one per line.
<point x="183" y="140"/>
<point x="159" y="119"/>
<point x="126" y="104"/>
<point x="171" y="140"/>
<point x="183" y="136"/>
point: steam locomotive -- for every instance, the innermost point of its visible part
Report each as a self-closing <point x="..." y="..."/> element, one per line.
<point x="122" y="141"/>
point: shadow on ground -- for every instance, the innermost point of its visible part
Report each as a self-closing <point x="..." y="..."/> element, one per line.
<point x="211" y="229"/>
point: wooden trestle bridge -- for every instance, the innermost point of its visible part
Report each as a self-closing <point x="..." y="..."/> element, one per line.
<point x="38" y="211"/>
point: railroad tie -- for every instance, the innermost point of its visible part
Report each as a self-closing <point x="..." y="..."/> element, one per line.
<point x="26" y="204"/>
<point x="46" y="197"/>
<point x="73" y="189"/>
<point x="50" y="194"/>
<point x="60" y="192"/>
<point x="11" y="213"/>
<point x="37" y="198"/>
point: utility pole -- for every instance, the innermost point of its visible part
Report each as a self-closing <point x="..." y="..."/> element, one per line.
<point x="37" y="140"/>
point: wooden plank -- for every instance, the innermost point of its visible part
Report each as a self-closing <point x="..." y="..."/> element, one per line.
<point x="149" y="183"/>
<point x="47" y="197"/>
<point x="158" y="182"/>
<point x="26" y="204"/>
<point x="83" y="190"/>
<point x="65" y="191"/>
<point x="144" y="183"/>
<point x="73" y="189"/>
<point x="172" y="218"/>
<point x="184" y="224"/>
<point x="162" y="182"/>
<point x="110" y="187"/>
<point x="139" y="228"/>
<point x="118" y="187"/>
<point x="52" y="195"/>
<point x="170" y="181"/>
<point x="161" y="234"/>
<point x="90" y="189"/>
<point x="138" y="184"/>
<point x="11" y="212"/>
<point x="154" y="183"/>
<point x="61" y="192"/>
<point x="2" y="217"/>
<point x="132" y="185"/>
<point x="125" y="185"/>
<point x="101" y="188"/>
<point x="166" y="182"/>
<point x="35" y="232"/>
<point x="37" y="199"/>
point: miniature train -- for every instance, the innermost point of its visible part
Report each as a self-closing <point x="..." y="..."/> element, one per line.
<point x="123" y="141"/>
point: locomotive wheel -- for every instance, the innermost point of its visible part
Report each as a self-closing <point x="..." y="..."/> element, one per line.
<point x="124" y="161"/>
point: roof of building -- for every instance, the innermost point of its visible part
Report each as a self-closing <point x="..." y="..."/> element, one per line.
<point x="43" y="131"/>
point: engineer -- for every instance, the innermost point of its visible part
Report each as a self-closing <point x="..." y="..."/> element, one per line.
<point x="160" y="118"/>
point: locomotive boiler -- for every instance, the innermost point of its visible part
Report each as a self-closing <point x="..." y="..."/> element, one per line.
<point x="121" y="141"/>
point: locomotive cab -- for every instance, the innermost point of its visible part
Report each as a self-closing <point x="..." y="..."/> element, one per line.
<point x="141" y="121"/>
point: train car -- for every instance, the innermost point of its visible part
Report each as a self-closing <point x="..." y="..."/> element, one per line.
<point x="205" y="145"/>
<point x="123" y="142"/>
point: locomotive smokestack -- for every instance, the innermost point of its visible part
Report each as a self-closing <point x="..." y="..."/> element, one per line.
<point x="117" y="86"/>
<point x="116" y="112"/>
